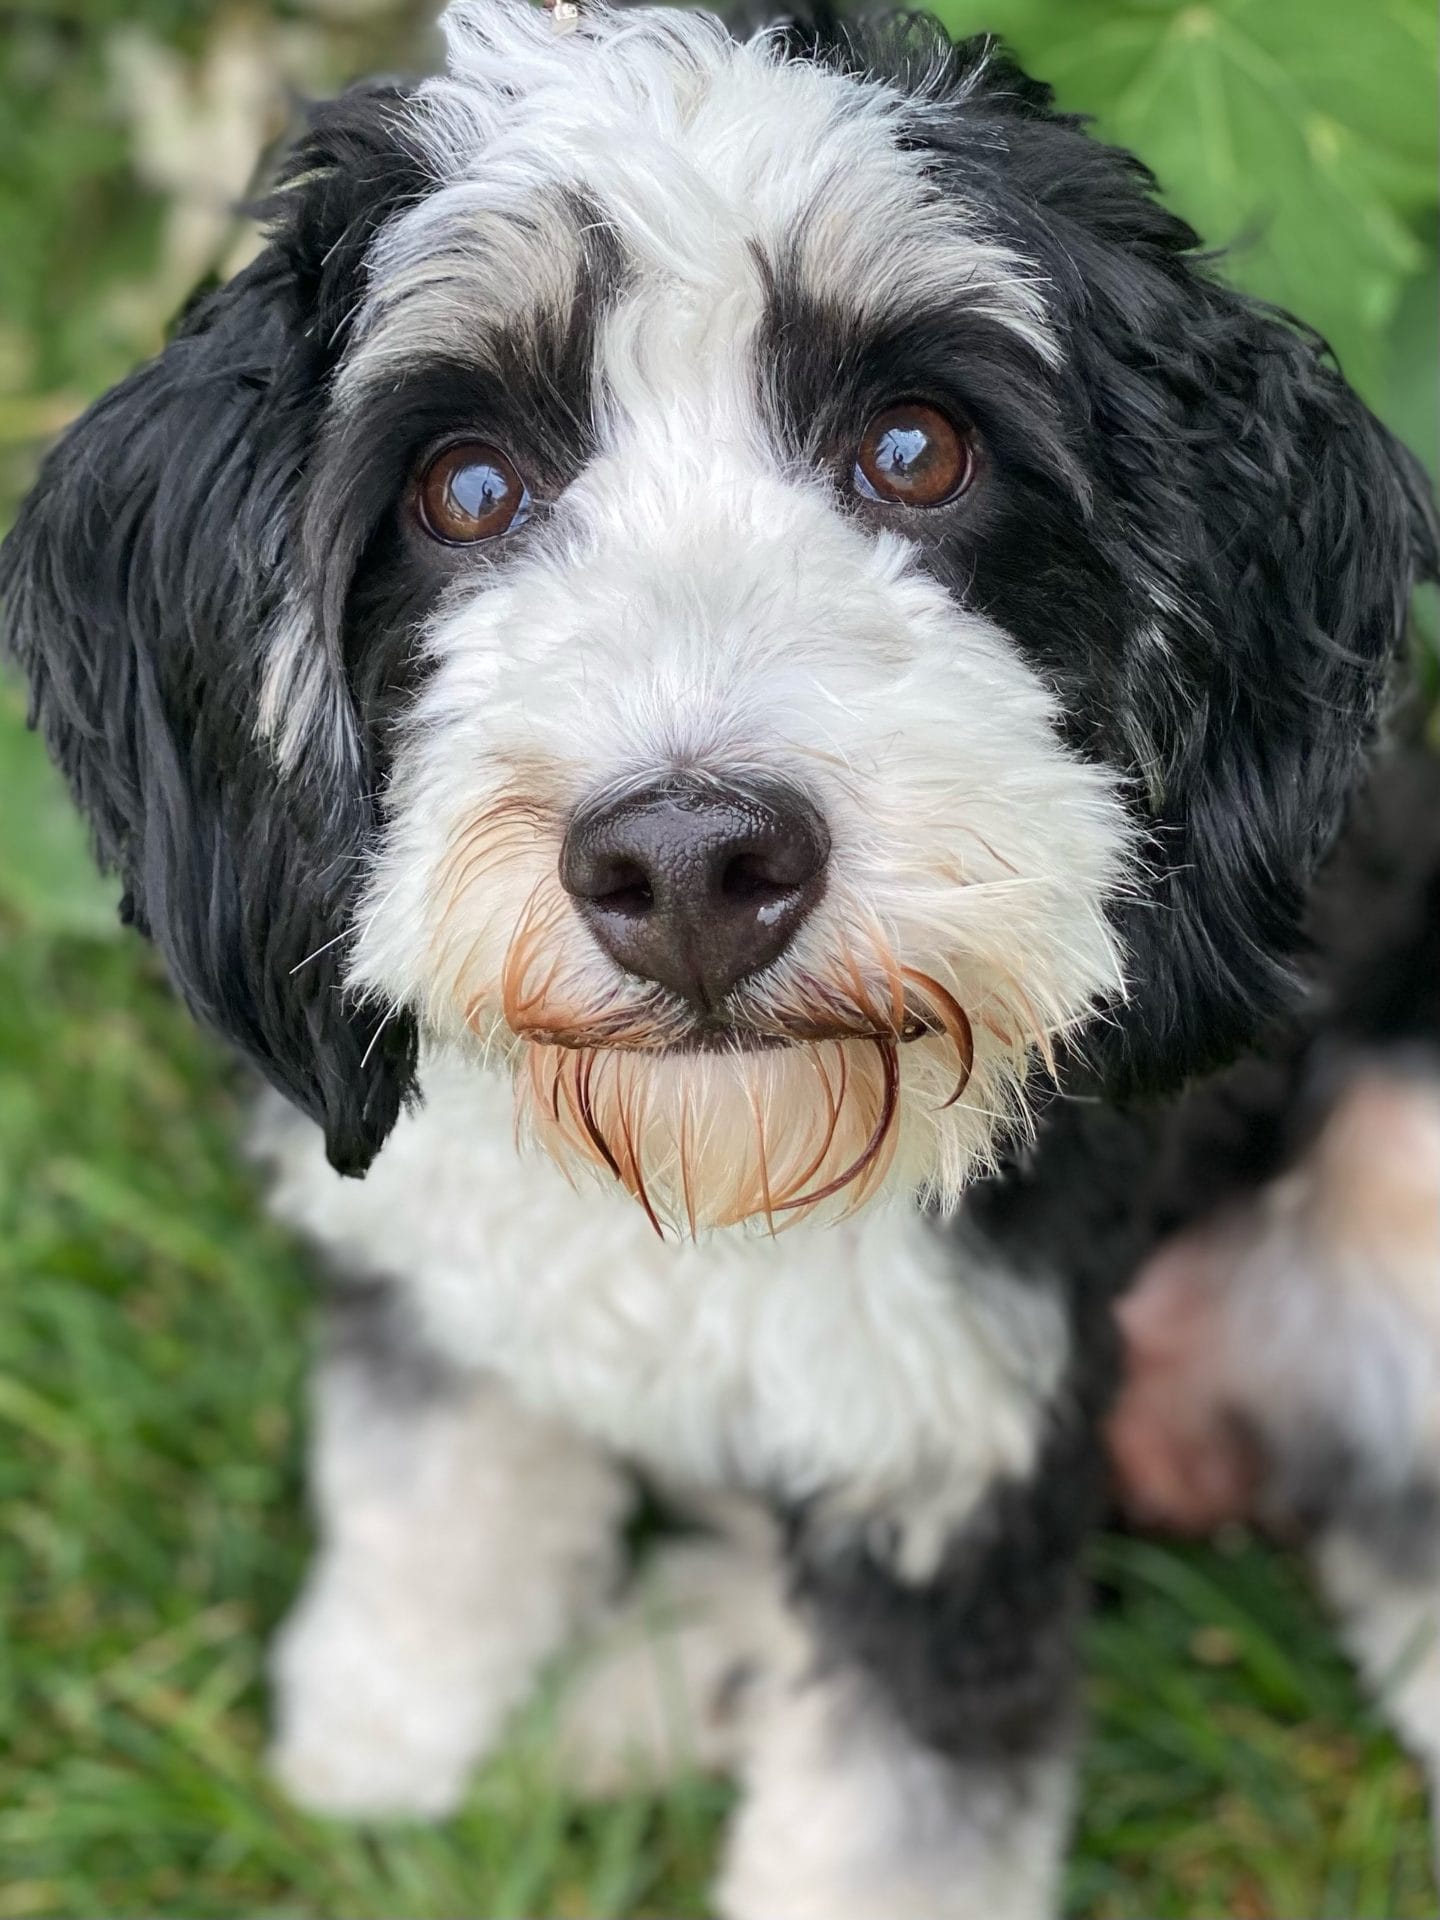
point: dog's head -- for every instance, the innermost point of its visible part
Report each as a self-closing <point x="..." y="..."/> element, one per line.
<point x="759" y="586"/>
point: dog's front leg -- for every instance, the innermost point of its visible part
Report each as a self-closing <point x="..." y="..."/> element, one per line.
<point x="923" y="1767"/>
<point x="462" y="1540"/>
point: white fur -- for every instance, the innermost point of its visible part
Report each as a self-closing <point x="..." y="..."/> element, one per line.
<point x="463" y="1540"/>
<point x="692" y="149"/>
<point x="847" y="1818"/>
<point x="683" y="1671"/>
<point x="855" y="1364"/>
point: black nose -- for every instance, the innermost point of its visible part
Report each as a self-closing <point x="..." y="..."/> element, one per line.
<point x="694" y="885"/>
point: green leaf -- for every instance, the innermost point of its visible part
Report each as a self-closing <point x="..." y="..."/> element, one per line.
<point x="1300" y="134"/>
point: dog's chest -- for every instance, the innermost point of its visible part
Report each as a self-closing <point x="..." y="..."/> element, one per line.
<point x="856" y="1363"/>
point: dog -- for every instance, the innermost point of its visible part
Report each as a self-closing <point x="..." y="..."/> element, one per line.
<point x="723" y="658"/>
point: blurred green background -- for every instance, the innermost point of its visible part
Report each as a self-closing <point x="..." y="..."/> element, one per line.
<point x="152" y="1326"/>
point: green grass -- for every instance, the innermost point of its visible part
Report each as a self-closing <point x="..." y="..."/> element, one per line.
<point x="153" y="1326"/>
<point x="153" y="1329"/>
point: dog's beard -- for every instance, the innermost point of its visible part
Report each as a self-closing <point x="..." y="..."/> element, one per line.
<point x="842" y="1070"/>
<point x="780" y="1110"/>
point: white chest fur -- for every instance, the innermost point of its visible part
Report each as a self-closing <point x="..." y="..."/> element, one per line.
<point x="856" y="1363"/>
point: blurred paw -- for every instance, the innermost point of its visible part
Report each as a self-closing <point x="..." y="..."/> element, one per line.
<point x="1282" y="1360"/>
<point x="673" y="1681"/>
<point x="1183" y="1455"/>
<point x="346" y="1774"/>
<point x="370" y="1722"/>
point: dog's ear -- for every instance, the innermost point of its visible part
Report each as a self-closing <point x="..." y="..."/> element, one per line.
<point x="1280" y="532"/>
<point x="140" y="586"/>
<point x="1270" y="533"/>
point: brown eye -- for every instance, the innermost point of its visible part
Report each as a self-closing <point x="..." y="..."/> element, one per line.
<point x="470" y="492"/>
<point x="912" y="456"/>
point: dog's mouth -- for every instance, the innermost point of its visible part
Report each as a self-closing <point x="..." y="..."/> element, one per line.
<point x="725" y="1037"/>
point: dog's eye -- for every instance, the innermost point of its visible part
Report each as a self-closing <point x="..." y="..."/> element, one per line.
<point x="913" y="456"/>
<point x="470" y="492"/>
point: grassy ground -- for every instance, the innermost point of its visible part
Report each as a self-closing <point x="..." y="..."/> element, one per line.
<point x="152" y="1334"/>
<point x="153" y="1326"/>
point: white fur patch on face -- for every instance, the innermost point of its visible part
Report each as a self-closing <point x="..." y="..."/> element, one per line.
<point x="692" y="604"/>
<point x="738" y="626"/>
<point x="695" y="150"/>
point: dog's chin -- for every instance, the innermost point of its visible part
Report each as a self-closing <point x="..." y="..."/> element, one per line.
<point x="720" y="1126"/>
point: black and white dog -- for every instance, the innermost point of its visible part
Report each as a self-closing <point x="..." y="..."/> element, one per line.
<point x="720" y="635"/>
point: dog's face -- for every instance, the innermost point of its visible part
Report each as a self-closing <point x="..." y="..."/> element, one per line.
<point x="758" y="592"/>
<point x="732" y="807"/>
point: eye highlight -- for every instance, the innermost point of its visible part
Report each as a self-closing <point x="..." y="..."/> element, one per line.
<point x="912" y="455"/>
<point x="469" y="492"/>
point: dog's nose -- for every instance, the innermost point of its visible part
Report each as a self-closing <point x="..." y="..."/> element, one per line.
<point x="695" y="885"/>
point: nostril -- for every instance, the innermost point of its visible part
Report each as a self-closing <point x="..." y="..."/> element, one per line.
<point x="622" y="886"/>
<point x="749" y="880"/>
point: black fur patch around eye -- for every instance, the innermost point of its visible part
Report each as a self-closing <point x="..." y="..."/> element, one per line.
<point x="376" y="575"/>
<point x="1020" y="545"/>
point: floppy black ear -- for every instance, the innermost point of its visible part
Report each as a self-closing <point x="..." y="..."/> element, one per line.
<point x="139" y="585"/>
<point x="1269" y="532"/>
<point x="1282" y="531"/>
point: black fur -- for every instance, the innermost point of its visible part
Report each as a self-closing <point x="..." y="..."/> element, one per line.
<point x="1371" y="974"/>
<point x="979" y="1659"/>
<point x="137" y="586"/>
<point x="190" y="491"/>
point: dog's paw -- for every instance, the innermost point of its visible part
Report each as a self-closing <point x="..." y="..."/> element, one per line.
<point x="1283" y="1359"/>
<point x="673" y="1680"/>
<point x="1182" y="1454"/>
<point x="371" y="1721"/>
<point x="351" y="1773"/>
